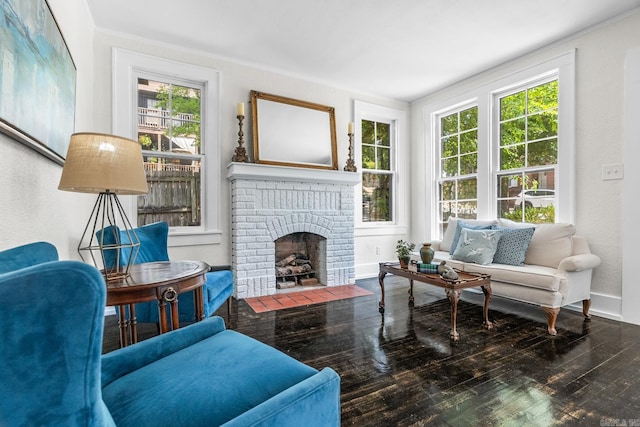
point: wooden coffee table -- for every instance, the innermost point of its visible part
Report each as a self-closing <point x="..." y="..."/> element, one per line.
<point x="451" y="287"/>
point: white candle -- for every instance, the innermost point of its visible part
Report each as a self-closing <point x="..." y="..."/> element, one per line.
<point x="241" y="109"/>
<point x="350" y="127"/>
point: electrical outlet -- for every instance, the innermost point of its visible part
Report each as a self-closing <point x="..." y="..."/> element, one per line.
<point x="614" y="171"/>
<point x="377" y="250"/>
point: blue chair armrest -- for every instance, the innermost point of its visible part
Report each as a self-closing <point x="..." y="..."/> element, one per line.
<point x="125" y="360"/>
<point x="314" y="402"/>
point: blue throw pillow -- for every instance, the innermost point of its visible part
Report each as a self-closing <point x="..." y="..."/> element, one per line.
<point x="462" y="225"/>
<point x="477" y="246"/>
<point x="513" y="245"/>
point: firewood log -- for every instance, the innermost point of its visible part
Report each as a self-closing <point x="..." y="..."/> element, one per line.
<point x="286" y="261"/>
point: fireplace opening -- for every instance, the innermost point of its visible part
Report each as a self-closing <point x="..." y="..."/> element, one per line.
<point x="300" y="260"/>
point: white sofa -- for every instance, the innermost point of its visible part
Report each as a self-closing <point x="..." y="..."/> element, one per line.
<point x="556" y="272"/>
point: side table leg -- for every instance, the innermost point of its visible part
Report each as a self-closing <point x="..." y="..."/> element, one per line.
<point x="133" y="322"/>
<point x="454" y="297"/>
<point x="168" y="295"/>
<point x="199" y="304"/>
<point x="175" y="317"/>
<point x="123" y="326"/>
<point x="381" y="281"/>
<point x="486" y="289"/>
<point x="162" y="312"/>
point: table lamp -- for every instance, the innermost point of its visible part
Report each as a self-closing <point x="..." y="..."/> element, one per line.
<point x="106" y="165"/>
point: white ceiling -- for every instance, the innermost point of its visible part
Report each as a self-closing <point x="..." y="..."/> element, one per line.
<point x="399" y="49"/>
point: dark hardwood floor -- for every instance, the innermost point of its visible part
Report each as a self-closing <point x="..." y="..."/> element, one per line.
<point x="401" y="369"/>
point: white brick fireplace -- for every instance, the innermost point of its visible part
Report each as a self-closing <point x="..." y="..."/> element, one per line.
<point x="269" y="202"/>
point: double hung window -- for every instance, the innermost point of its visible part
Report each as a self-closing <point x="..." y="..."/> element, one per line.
<point x="458" y="177"/>
<point x="528" y="153"/>
<point x="377" y="172"/>
<point x="171" y="109"/>
<point x="380" y="147"/>
<point x="507" y="151"/>
<point x="169" y="123"/>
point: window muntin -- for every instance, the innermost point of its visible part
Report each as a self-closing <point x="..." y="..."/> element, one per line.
<point x="528" y="153"/>
<point x="458" y="165"/>
<point x="169" y="130"/>
<point x="377" y="171"/>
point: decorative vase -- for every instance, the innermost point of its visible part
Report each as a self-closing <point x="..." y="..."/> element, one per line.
<point x="426" y="253"/>
<point x="404" y="262"/>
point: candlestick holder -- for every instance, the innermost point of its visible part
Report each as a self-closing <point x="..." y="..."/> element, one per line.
<point x="350" y="167"/>
<point x="240" y="154"/>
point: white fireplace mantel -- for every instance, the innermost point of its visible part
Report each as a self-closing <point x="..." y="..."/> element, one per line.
<point x="255" y="171"/>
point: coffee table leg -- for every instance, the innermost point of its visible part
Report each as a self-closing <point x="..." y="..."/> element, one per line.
<point x="454" y="296"/>
<point x="381" y="281"/>
<point x="486" y="289"/>
<point x="411" y="299"/>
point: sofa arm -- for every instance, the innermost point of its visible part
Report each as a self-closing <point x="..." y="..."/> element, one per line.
<point x="435" y="245"/>
<point x="580" y="262"/>
<point x="128" y="359"/>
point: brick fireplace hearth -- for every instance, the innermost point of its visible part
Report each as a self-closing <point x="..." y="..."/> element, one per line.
<point x="269" y="202"/>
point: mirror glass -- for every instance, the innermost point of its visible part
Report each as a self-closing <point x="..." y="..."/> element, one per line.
<point x="290" y="132"/>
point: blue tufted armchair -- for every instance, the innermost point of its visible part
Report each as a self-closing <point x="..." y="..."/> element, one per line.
<point x="153" y="247"/>
<point x="53" y="374"/>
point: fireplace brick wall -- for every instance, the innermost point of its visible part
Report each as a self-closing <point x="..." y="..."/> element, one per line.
<point x="269" y="202"/>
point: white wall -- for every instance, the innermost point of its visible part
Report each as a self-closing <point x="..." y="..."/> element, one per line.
<point x="32" y="207"/>
<point x="600" y="66"/>
<point x="631" y="209"/>
<point x="237" y="80"/>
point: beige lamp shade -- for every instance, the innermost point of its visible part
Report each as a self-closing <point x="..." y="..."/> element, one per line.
<point x="99" y="163"/>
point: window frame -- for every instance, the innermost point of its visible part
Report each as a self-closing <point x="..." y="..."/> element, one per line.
<point x="399" y="159"/>
<point x="128" y="66"/>
<point x="497" y="95"/>
<point x="391" y="172"/>
<point x="200" y="157"/>
<point x="439" y="179"/>
<point x="486" y="97"/>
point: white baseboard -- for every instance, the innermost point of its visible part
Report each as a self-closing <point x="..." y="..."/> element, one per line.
<point x="367" y="271"/>
<point x="602" y="305"/>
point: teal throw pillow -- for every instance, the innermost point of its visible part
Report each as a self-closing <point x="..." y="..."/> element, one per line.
<point x="513" y="245"/>
<point x="462" y="225"/>
<point x="477" y="246"/>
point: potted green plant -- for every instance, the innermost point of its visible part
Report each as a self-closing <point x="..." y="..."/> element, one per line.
<point x="403" y="250"/>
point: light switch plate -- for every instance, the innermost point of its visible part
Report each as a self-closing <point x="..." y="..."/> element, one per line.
<point x="613" y="171"/>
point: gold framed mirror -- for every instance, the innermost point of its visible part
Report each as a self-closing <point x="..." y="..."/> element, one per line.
<point x="290" y="132"/>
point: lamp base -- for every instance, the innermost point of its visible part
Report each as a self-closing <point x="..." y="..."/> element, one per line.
<point x="109" y="238"/>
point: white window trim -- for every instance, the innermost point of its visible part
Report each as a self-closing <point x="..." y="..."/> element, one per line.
<point x="400" y="163"/>
<point x="126" y="66"/>
<point x="562" y="65"/>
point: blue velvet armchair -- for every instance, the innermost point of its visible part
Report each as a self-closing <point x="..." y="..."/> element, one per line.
<point x="53" y="374"/>
<point x="153" y="247"/>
